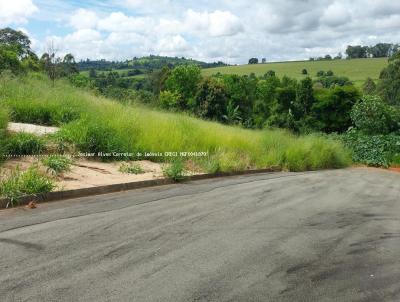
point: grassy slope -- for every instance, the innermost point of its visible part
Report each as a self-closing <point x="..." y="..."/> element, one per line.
<point x="356" y="70"/>
<point x="136" y="129"/>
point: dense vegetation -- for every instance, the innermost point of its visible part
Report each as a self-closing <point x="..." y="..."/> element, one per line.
<point x="101" y="125"/>
<point x="151" y="62"/>
<point x="316" y="101"/>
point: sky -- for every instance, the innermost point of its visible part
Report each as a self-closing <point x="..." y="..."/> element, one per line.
<point x="228" y="30"/>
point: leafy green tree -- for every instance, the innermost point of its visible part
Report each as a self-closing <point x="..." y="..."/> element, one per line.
<point x="331" y="111"/>
<point x="253" y="61"/>
<point x="69" y="66"/>
<point x="211" y="99"/>
<point x="265" y="98"/>
<point x="389" y="82"/>
<point x="9" y="59"/>
<point x="16" y="40"/>
<point x="357" y="52"/>
<point x="373" y="116"/>
<point x="183" y="81"/>
<point x="169" y="100"/>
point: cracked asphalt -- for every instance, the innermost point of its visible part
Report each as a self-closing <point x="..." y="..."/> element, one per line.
<point x="317" y="236"/>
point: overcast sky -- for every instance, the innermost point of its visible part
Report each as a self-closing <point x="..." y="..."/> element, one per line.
<point x="227" y="30"/>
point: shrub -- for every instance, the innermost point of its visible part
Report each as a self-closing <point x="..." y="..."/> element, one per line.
<point x="373" y="150"/>
<point x="131" y="169"/>
<point x="304" y="71"/>
<point x="169" y="100"/>
<point x="372" y="116"/>
<point x="175" y="170"/>
<point x="320" y="73"/>
<point x="29" y="182"/>
<point x="57" y="164"/>
<point x="25" y="144"/>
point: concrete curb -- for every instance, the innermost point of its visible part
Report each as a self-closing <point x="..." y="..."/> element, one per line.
<point x="71" y="194"/>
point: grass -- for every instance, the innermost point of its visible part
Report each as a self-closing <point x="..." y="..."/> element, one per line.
<point x="4" y="116"/>
<point x="131" y="169"/>
<point x="25" y="144"/>
<point x="357" y="70"/>
<point x="29" y="182"/>
<point x="107" y="126"/>
<point x="57" y="164"/>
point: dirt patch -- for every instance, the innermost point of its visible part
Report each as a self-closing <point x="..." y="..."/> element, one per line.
<point x="86" y="174"/>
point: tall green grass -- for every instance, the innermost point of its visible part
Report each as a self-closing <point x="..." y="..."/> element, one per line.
<point x="3" y="126"/>
<point x="101" y="125"/>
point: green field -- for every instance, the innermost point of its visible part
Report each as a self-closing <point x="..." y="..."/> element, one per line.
<point x="96" y="124"/>
<point x="357" y="70"/>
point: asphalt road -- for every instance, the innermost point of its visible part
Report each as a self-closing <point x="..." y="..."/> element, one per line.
<point x="319" y="236"/>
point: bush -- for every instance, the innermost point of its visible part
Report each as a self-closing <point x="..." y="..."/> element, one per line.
<point x="131" y="169"/>
<point x="25" y="144"/>
<point x="175" y="170"/>
<point x="304" y="71"/>
<point x="373" y="150"/>
<point x="372" y="116"/>
<point x="169" y="100"/>
<point x="19" y="184"/>
<point x="57" y="164"/>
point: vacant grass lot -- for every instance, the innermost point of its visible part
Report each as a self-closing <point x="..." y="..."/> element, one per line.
<point x="96" y="124"/>
<point x="357" y="70"/>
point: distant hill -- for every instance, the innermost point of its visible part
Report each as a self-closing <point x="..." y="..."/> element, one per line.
<point x="357" y="70"/>
<point x="144" y="63"/>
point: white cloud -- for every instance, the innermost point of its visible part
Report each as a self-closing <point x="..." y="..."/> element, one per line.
<point x="232" y="31"/>
<point x="83" y="19"/>
<point x="16" y="11"/>
<point x="336" y="14"/>
<point x="216" y="24"/>
<point x="175" y="45"/>
<point x="119" y="22"/>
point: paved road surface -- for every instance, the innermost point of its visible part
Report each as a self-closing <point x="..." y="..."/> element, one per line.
<point x="323" y="236"/>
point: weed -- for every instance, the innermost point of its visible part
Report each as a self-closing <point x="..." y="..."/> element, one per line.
<point x="25" y="144"/>
<point x="175" y="170"/>
<point x="131" y="168"/>
<point x="57" y="164"/>
<point x="29" y="182"/>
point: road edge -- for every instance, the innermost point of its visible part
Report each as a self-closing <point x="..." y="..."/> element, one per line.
<point x="114" y="188"/>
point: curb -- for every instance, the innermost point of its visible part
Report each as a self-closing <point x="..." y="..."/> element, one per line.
<point x="100" y="190"/>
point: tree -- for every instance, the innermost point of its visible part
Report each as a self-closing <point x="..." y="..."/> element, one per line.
<point x="17" y="40"/>
<point x="328" y="57"/>
<point x="184" y="80"/>
<point x="304" y="98"/>
<point x="50" y="62"/>
<point x="356" y="52"/>
<point x="211" y="99"/>
<point x="380" y="50"/>
<point x="331" y="111"/>
<point x="69" y="66"/>
<point x="9" y="59"/>
<point x="373" y="116"/>
<point x="253" y="61"/>
<point x="389" y="81"/>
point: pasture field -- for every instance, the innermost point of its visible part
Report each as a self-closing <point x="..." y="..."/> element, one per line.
<point x="357" y="70"/>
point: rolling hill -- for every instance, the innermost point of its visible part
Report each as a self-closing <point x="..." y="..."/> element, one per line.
<point x="356" y="70"/>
